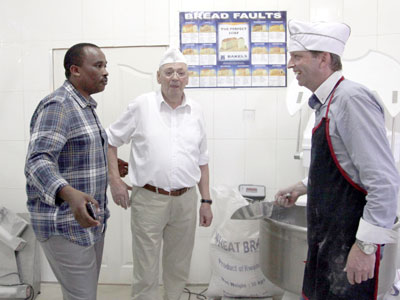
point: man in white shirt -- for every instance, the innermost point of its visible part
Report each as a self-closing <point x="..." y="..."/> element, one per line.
<point x="353" y="182"/>
<point x="168" y="158"/>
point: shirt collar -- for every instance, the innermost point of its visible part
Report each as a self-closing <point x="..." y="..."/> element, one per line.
<point x="161" y="102"/>
<point x="78" y="96"/>
<point x="325" y="89"/>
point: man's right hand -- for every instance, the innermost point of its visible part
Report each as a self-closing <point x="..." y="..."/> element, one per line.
<point x="119" y="192"/>
<point x="77" y="202"/>
<point x="288" y="196"/>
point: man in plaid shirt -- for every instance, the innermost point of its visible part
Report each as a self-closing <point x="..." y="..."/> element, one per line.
<point x="66" y="169"/>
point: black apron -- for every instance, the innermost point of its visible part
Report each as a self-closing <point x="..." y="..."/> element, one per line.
<point x="334" y="207"/>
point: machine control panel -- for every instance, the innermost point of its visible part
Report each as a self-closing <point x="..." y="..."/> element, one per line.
<point x="252" y="191"/>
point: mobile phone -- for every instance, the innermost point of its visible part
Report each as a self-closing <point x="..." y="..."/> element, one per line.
<point x="91" y="210"/>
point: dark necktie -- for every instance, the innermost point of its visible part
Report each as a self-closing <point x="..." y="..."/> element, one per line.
<point x="313" y="101"/>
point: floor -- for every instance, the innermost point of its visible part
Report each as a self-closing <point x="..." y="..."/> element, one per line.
<point x="52" y="291"/>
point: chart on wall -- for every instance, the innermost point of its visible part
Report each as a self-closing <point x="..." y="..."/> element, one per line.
<point x="241" y="49"/>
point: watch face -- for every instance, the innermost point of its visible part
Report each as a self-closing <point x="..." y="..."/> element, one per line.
<point x="367" y="248"/>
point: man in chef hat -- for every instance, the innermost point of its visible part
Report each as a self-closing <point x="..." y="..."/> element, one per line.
<point x="352" y="186"/>
<point x="168" y="159"/>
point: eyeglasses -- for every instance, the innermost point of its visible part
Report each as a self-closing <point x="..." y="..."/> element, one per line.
<point x="171" y="73"/>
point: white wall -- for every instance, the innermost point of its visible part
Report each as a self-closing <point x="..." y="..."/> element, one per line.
<point x="256" y="151"/>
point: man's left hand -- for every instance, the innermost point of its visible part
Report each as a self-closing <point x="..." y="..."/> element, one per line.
<point x="360" y="266"/>
<point x="206" y="215"/>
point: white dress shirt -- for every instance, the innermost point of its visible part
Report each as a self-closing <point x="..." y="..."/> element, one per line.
<point x="167" y="145"/>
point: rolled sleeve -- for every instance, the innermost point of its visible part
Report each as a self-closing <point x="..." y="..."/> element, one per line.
<point x="49" y="135"/>
<point x="120" y="132"/>
<point x="375" y="234"/>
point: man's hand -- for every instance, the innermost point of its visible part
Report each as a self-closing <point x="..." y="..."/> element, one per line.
<point x="288" y="196"/>
<point x="77" y="202"/>
<point x="119" y="192"/>
<point x="360" y="266"/>
<point x="122" y="167"/>
<point x="206" y="215"/>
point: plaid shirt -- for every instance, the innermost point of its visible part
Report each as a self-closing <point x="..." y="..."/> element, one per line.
<point x="68" y="145"/>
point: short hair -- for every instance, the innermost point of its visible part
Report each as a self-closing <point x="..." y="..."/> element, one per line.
<point x="336" y="62"/>
<point x="74" y="56"/>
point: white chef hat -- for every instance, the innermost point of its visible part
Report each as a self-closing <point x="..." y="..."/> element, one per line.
<point x="172" y="55"/>
<point x="318" y="36"/>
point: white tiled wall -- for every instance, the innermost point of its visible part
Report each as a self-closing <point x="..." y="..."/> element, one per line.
<point x="252" y="137"/>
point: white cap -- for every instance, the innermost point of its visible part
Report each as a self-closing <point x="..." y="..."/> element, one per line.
<point x="318" y="36"/>
<point x="172" y="55"/>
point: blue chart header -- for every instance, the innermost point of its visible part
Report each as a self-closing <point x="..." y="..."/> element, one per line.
<point x="234" y="49"/>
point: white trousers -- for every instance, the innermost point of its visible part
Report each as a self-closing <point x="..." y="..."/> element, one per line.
<point x="76" y="267"/>
<point x="155" y="219"/>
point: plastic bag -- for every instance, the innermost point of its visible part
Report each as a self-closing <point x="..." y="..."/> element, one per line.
<point x="11" y="227"/>
<point x="234" y="251"/>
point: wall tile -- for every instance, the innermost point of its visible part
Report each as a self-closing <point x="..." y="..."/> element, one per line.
<point x="205" y="97"/>
<point x="11" y="116"/>
<point x="14" y="199"/>
<point x="229" y="162"/>
<point x="228" y="115"/>
<point x="205" y="5"/>
<point x="358" y="46"/>
<point x="287" y="126"/>
<point x="230" y="5"/>
<point x="260" y="162"/>
<point x="51" y="20"/>
<point x="11" y="62"/>
<point x="156" y="22"/>
<point x="12" y="159"/>
<point x="270" y="193"/>
<point x="326" y="10"/>
<point x="388" y="17"/>
<point x="266" y="5"/>
<point x="390" y="45"/>
<point x="288" y="170"/>
<point x="97" y="24"/>
<point x="200" y="270"/>
<point x="263" y="103"/>
<point x="364" y="23"/>
<point x="211" y="162"/>
<point x="129" y="22"/>
<point x="175" y="6"/>
<point x="299" y="9"/>
<point x="10" y="21"/>
<point x="36" y="58"/>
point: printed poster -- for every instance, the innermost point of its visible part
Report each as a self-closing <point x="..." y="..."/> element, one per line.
<point x="235" y="49"/>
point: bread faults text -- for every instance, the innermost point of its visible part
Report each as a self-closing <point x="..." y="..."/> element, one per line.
<point x="233" y="15"/>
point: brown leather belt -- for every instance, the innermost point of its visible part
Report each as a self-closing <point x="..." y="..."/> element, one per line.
<point x="164" y="192"/>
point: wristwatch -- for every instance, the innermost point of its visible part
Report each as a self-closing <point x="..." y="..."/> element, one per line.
<point x="206" y="201"/>
<point x="367" y="248"/>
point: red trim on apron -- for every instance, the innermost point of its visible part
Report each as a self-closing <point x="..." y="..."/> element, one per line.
<point x="328" y="137"/>
<point x="304" y="296"/>
<point x="343" y="172"/>
<point x="316" y="127"/>
<point x="376" y="275"/>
